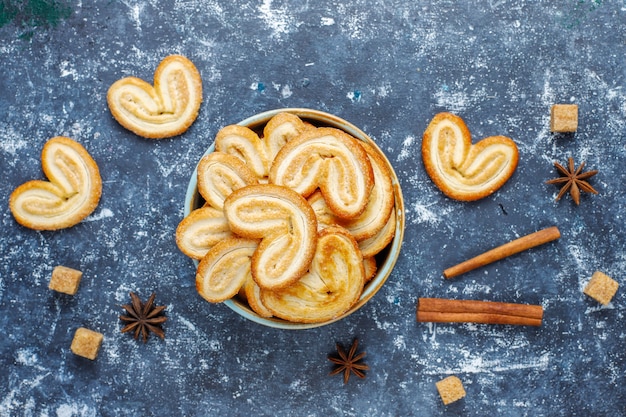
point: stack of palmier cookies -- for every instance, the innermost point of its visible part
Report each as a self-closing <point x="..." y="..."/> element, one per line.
<point x="292" y="219"/>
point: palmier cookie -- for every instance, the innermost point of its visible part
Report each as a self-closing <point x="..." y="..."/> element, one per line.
<point x="71" y="193"/>
<point x="164" y="109"/>
<point x="279" y="130"/>
<point x="379" y="207"/>
<point x="331" y="287"/>
<point x="286" y="225"/>
<point x="246" y="145"/>
<point x="251" y="292"/>
<point x="463" y="171"/>
<point x="331" y="160"/>
<point x="370" y="246"/>
<point x="224" y="269"/>
<point x="375" y="244"/>
<point x="219" y="174"/>
<point x="202" y="229"/>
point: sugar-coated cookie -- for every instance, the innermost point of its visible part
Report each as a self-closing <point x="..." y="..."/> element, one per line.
<point x="202" y="229"/>
<point x="165" y="109"/>
<point x="331" y="287"/>
<point x="331" y="160"/>
<point x="71" y="193"/>
<point x="286" y="225"/>
<point x="224" y="269"/>
<point x="460" y="169"/>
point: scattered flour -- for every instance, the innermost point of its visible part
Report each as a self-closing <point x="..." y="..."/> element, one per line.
<point x="102" y="214"/>
<point x="75" y="410"/>
<point x="67" y="69"/>
<point x="408" y="149"/>
<point x="478" y="363"/>
<point x="278" y="20"/>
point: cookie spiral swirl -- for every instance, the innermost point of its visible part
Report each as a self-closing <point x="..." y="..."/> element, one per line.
<point x="332" y="285"/>
<point x="165" y="109"/>
<point x="286" y="225"/>
<point x="71" y="194"/>
<point x="331" y="160"/>
<point x="460" y="169"/>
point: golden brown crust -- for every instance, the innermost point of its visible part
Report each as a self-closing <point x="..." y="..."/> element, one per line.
<point x="286" y="224"/>
<point x="379" y="207"/>
<point x="252" y="293"/>
<point x="71" y="193"/>
<point x="167" y="108"/>
<point x="332" y="286"/>
<point x="370" y="268"/>
<point x="325" y="217"/>
<point x="463" y="171"/>
<point x="202" y="229"/>
<point x="381" y="201"/>
<point x="224" y="269"/>
<point x="279" y="130"/>
<point x="246" y="145"/>
<point x="220" y="174"/>
<point x="331" y="160"/>
<point x="378" y="242"/>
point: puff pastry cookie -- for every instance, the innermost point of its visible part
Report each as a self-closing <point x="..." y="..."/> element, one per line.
<point x="246" y="145"/>
<point x="279" y="130"/>
<point x="164" y="109"/>
<point x="331" y="160"/>
<point x="258" y="153"/>
<point x="373" y="245"/>
<point x="463" y="171"/>
<point x="224" y="269"/>
<point x="252" y="294"/>
<point x="202" y="229"/>
<point x="379" y="207"/>
<point x="286" y="225"/>
<point x="71" y="193"/>
<point x="331" y="287"/>
<point x="219" y="174"/>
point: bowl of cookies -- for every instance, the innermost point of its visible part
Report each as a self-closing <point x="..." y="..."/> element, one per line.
<point x="294" y="219"/>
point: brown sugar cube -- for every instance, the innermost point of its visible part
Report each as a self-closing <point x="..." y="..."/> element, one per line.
<point x="564" y="118"/>
<point x="450" y="389"/>
<point x="86" y="343"/>
<point x="601" y="288"/>
<point x="65" y="280"/>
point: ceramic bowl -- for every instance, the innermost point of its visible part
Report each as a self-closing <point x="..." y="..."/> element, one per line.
<point x="386" y="259"/>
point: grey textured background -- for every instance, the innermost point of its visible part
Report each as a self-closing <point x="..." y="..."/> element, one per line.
<point x="388" y="67"/>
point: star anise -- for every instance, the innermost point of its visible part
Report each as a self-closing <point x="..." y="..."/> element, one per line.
<point x="143" y="318"/>
<point x="573" y="180"/>
<point x="349" y="363"/>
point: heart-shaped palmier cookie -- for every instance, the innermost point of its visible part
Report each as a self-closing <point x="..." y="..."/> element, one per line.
<point x="460" y="169"/>
<point x="286" y="225"/>
<point x="202" y="229"/>
<point x="164" y="109"/>
<point x="379" y="207"/>
<point x="251" y="292"/>
<point x="71" y="194"/>
<point x="246" y="145"/>
<point x="331" y="160"/>
<point x="256" y="152"/>
<point x="219" y="174"/>
<point x="279" y="130"/>
<point x="332" y="285"/>
<point x="225" y="268"/>
<point x="375" y="244"/>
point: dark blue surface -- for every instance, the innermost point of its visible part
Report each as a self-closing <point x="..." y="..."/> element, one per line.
<point x="387" y="67"/>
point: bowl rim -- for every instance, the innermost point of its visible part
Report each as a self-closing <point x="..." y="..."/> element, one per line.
<point x="384" y="270"/>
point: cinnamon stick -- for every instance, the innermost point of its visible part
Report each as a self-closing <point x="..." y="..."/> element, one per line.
<point x="472" y="311"/>
<point x="508" y="249"/>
